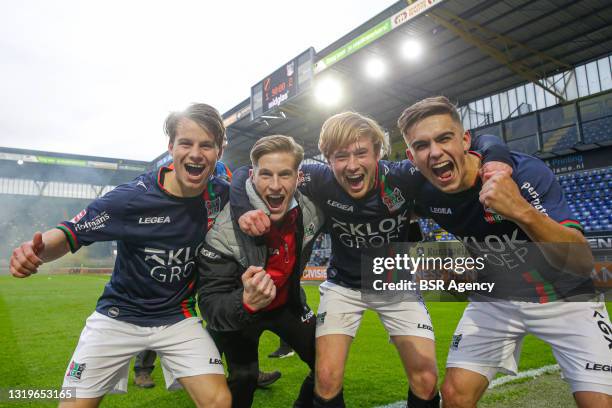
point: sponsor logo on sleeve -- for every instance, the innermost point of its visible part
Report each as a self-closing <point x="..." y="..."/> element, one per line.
<point x="534" y="197"/>
<point x="78" y="217"/>
<point x="96" y="223"/>
<point x="303" y="178"/>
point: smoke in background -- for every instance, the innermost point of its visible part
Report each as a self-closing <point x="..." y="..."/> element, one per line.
<point x="28" y="205"/>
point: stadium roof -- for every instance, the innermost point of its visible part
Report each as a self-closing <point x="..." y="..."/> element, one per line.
<point x="48" y="166"/>
<point x="472" y="48"/>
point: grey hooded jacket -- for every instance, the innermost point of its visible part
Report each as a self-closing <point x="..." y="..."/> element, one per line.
<point x="228" y="252"/>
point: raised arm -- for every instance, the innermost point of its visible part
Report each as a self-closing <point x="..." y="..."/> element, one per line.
<point x="558" y="236"/>
<point x="29" y="256"/>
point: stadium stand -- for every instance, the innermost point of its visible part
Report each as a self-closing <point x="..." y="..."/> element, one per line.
<point x="40" y="189"/>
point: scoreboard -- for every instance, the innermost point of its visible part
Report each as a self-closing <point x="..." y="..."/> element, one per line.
<point x="283" y="84"/>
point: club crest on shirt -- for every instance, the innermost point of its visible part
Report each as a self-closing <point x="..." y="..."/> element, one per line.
<point x="492" y="217"/>
<point x="213" y="208"/>
<point x="395" y="200"/>
<point x="456" y="340"/>
<point x="75" y="371"/>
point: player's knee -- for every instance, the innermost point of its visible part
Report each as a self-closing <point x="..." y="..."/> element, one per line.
<point x="454" y="397"/>
<point x="328" y="382"/>
<point x="423" y="383"/>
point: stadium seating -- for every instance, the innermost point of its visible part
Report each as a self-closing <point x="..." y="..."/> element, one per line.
<point x="598" y="131"/>
<point x="589" y="194"/>
<point x="560" y="139"/>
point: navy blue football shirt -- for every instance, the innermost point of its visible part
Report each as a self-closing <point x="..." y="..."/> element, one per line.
<point x="158" y="237"/>
<point x="512" y="260"/>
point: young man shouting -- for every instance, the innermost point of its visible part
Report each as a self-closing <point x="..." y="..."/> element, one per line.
<point x="159" y="221"/>
<point x="534" y="251"/>
<point x="368" y="204"/>
<point x="248" y="285"/>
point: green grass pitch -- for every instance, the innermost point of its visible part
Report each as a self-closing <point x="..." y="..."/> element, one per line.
<point x="41" y="318"/>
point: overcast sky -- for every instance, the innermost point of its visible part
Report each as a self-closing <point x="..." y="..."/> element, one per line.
<point x="98" y="78"/>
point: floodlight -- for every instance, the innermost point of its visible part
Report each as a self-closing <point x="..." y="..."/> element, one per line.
<point x="412" y="49"/>
<point x="328" y="91"/>
<point x="375" y="68"/>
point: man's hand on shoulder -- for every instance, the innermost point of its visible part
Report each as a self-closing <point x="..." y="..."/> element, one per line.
<point x="494" y="167"/>
<point x="259" y="289"/>
<point x="25" y="260"/>
<point x="254" y="223"/>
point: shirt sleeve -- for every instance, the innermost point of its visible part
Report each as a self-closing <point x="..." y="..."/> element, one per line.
<point x="102" y="220"/>
<point x="239" y="200"/>
<point x="540" y="188"/>
<point x="312" y="177"/>
<point x="404" y="174"/>
<point x="491" y="148"/>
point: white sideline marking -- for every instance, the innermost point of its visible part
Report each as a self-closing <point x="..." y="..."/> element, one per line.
<point x="497" y="382"/>
<point x="524" y="374"/>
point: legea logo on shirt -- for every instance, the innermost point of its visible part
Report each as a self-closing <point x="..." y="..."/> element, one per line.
<point x="344" y="207"/>
<point x="439" y="210"/>
<point x="154" y="220"/>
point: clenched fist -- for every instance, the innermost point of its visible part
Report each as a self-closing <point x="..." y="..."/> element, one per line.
<point x="259" y="289"/>
<point x="254" y="223"/>
<point x="502" y="195"/>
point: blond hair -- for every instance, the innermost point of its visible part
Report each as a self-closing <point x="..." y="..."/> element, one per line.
<point x="346" y="128"/>
<point x="276" y="144"/>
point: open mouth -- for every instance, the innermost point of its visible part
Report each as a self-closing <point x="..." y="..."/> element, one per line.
<point x="275" y="201"/>
<point x="444" y="170"/>
<point x="194" y="169"/>
<point x="355" y="182"/>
